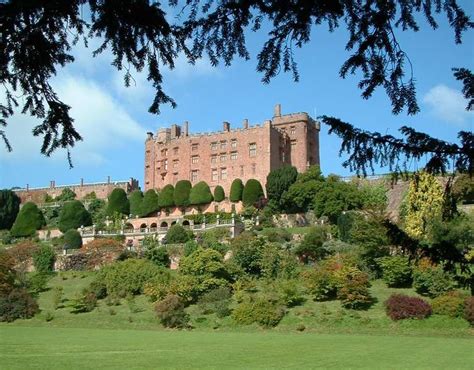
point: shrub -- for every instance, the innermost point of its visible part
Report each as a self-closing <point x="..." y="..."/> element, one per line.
<point x="261" y="310"/>
<point x="290" y="293"/>
<point x="149" y="203"/>
<point x="17" y="304"/>
<point x="236" y="189"/>
<point x="216" y="301"/>
<point x="171" y="312"/>
<point x="469" y="310"/>
<point x="353" y="291"/>
<point x="450" y="304"/>
<point x="7" y="273"/>
<point x="72" y="239"/>
<point x="396" y="271"/>
<point x="277" y="235"/>
<point x="136" y="202"/>
<point x="399" y="307"/>
<point x="22" y="254"/>
<point x="431" y="280"/>
<point x="165" y="197"/>
<point x="118" y="203"/>
<point x="37" y="283"/>
<point x="252" y="192"/>
<point x="320" y="283"/>
<point x="43" y="259"/>
<point x="29" y="219"/>
<point x="200" y="194"/>
<point x="73" y="215"/>
<point x="84" y="301"/>
<point x="189" y="247"/>
<point x="311" y="247"/>
<point x="66" y="195"/>
<point x="178" y="234"/>
<point x="9" y="208"/>
<point x="158" y="255"/>
<point x="219" y="194"/>
<point x="57" y="297"/>
<point x="181" y="193"/>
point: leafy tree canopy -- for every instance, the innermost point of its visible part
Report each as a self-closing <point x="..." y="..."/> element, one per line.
<point x="9" y="208"/>
<point x="278" y="183"/>
<point x="66" y="195"/>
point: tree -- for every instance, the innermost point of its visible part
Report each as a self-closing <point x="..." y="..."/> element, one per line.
<point x="150" y="203"/>
<point x="252" y="192"/>
<point x="165" y="197"/>
<point x="278" y="183"/>
<point x="178" y="234"/>
<point x="72" y="239"/>
<point x="43" y="259"/>
<point x="135" y="199"/>
<point x="118" y="203"/>
<point x="311" y="247"/>
<point x="200" y="194"/>
<point x="73" y="215"/>
<point x="463" y="189"/>
<point x="300" y="195"/>
<point x="236" y="189"/>
<point x="9" y="208"/>
<point x="66" y="195"/>
<point x="219" y="194"/>
<point x="29" y="219"/>
<point x="181" y="193"/>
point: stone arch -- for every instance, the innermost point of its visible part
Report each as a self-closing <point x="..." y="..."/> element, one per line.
<point x="186" y="223"/>
<point x="143" y="227"/>
<point x="128" y="227"/>
<point x="164" y="225"/>
<point x="173" y="223"/>
<point x="153" y="226"/>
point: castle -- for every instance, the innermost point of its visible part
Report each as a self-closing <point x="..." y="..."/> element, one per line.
<point x="218" y="158"/>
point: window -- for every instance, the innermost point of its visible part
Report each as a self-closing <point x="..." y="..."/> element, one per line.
<point x="233" y="143"/>
<point x="293" y="144"/>
<point x="175" y="163"/>
<point x="233" y="156"/>
<point x="292" y="130"/>
<point x="214" y="146"/>
<point x="252" y="149"/>
<point x="223" y="144"/>
<point x="175" y="150"/>
<point x="194" y="147"/>
<point x="223" y="173"/>
<point x="165" y="165"/>
<point x="241" y="170"/>
<point x="215" y="175"/>
<point x="194" y="159"/>
<point x="223" y="157"/>
<point x="164" y="152"/>
<point x="194" y="176"/>
<point x="213" y="158"/>
<point x="253" y="168"/>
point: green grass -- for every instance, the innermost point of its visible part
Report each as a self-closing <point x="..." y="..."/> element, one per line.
<point x="62" y="348"/>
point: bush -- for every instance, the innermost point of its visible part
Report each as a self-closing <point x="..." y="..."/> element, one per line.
<point x="236" y="189"/>
<point x="469" y="310"/>
<point x="219" y="194"/>
<point x="171" y="312"/>
<point x="289" y="292"/>
<point x="353" y="291"/>
<point x="431" y="280"/>
<point x="149" y="204"/>
<point x="43" y="259"/>
<point x="320" y="282"/>
<point x="37" y="283"/>
<point x="178" y="234"/>
<point x="73" y="215"/>
<point x="252" y="192"/>
<point x="450" y="304"/>
<point x="29" y="219"/>
<point x="165" y="197"/>
<point x="200" y="194"/>
<point x="158" y="255"/>
<point x="181" y="193"/>
<point x="189" y="247"/>
<point x="311" y="247"/>
<point x="118" y="203"/>
<point x="66" y="195"/>
<point x="399" y="307"/>
<point x="72" y="239"/>
<point x="275" y="235"/>
<point x="216" y="301"/>
<point x="261" y="310"/>
<point x="396" y="271"/>
<point x="85" y="301"/>
<point x="136" y="202"/>
<point x="7" y="272"/>
<point x="9" y="208"/>
<point x="17" y="304"/>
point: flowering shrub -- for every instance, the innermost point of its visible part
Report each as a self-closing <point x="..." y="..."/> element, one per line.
<point x="399" y="307"/>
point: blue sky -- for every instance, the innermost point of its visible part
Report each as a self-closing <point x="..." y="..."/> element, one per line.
<point x="114" y="120"/>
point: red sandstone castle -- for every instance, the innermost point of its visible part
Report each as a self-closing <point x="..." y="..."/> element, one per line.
<point x="218" y="158"/>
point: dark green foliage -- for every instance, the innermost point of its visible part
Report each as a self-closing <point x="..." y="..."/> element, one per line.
<point x="252" y="192"/>
<point x="72" y="239"/>
<point x="97" y="209"/>
<point x="85" y="301"/>
<point x="399" y="307"/>
<point x="37" y="283"/>
<point x="43" y="259"/>
<point x="290" y="292"/>
<point x="158" y="255"/>
<point x="181" y="193"/>
<point x="396" y="271"/>
<point x="469" y="310"/>
<point x="165" y="197"/>
<point x="247" y="251"/>
<point x="300" y="195"/>
<point x="278" y="183"/>
<point x="28" y="220"/>
<point x="135" y="199"/>
<point x="262" y="310"/>
<point x="432" y="281"/>
<point x="200" y="194"/>
<point x="118" y="203"/>
<point x="311" y="247"/>
<point x="219" y="194"/>
<point x="73" y="215"/>
<point x="236" y="189"/>
<point x="171" y="312"/>
<point x="66" y="195"/>
<point x="463" y="189"/>
<point x="277" y="235"/>
<point x="178" y="234"/>
<point x="216" y="301"/>
<point x="17" y="304"/>
<point x="150" y="203"/>
<point x="450" y="304"/>
<point x="9" y="208"/>
<point x="189" y="247"/>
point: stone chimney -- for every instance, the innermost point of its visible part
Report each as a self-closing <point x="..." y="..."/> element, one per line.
<point x="175" y="131"/>
<point x="108" y="179"/>
<point x="82" y="182"/>
<point x="27" y="187"/>
<point x="226" y="126"/>
<point x="52" y="184"/>
<point x="245" y="124"/>
<point x="186" y="128"/>
<point x="277" y="111"/>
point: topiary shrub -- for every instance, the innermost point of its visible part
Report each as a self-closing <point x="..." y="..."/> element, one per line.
<point x="219" y="194"/>
<point x="236" y="189"/>
<point x="252" y="192"/>
<point x="150" y="203"/>
<point x="17" y="304"/>
<point x="200" y="194"/>
<point x="136" y="200"/>
<point x="178" y="234"/>
<point x="431" y="280"/>
<point x="182" y="193"/>
<point x="73" y="215"/>
<point x="450" y="304"/>
<point x="399" y="307"/>
<point x="171" y="312"/>
<point x="396" y="271"/>
<point x="469" y="310"/>
<point x="43" y="259"/>
<point x="261" y="310"/>
<point x="118" y="203"/>
<point x="165" y="197"/>
<point x="29" y="219"/>
<point x="9" y="208"/>
<point x="72" y="239"/>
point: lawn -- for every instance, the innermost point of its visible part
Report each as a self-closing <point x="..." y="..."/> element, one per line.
<point x="61" y="348"/>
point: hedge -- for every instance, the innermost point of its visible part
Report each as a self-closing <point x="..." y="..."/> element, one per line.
<point x="165" y="197"/>
<point x="149" y="203"/>
<point x="29" y="219"/>
<point x="200" y="194"/>
<point x="181" y="193"/>
<point x="118" y="202"/>
<point x="219" y="194"/>
<point x="253" y="191"/>
<point x="73" y="215"/>
<point x="236" y="190"/>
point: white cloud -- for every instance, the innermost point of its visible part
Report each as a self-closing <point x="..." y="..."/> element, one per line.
<point x="101" y="121"/>
<point x="448" y="105"/>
